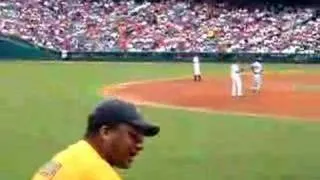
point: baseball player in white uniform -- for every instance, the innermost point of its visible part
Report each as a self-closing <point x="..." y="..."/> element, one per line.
<point x="196" y="69"/>
<point x="236" y="80"/>
<point x="257" y="70"/>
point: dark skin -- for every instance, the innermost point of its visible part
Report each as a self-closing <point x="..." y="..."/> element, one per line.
<point x="118" y="145"/>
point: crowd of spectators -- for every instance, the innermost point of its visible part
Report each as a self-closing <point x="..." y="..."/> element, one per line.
<point x="75" y="25"/>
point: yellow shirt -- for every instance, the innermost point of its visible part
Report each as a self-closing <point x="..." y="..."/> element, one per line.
<point x="78" y="162"/>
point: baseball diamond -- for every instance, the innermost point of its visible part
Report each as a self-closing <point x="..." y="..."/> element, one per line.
<point x="284" y="95"/>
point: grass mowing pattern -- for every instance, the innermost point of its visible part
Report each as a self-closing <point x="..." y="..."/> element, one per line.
<point x="44" y="108"/>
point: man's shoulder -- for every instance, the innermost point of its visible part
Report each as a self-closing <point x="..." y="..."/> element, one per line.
<point x="93" y="165"/>
<point x="47" y="171"/>
<point x="73" y="155"/>
<point x="69" y="151"/>
<point x="77" y="160"/>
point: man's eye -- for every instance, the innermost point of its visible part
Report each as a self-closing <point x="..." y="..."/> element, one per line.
<point x="132" y="135"/>
<point x="135" y="137"/>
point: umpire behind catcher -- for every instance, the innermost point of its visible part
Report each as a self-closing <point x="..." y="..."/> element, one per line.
<point x="114" y="136"/>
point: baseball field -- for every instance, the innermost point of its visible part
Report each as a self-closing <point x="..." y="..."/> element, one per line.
<point x="205" y="134"/>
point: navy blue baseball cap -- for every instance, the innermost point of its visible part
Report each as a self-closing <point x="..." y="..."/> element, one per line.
<point x="116" y="111"/>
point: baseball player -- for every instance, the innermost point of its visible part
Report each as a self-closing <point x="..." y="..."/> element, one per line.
<point x="196" y="69"/>
<point x="236" y="79"/>
<point x="113" y="137"/>
<point x="257" y="70"/>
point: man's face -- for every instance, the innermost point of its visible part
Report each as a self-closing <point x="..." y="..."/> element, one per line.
<point x="125" y="143"/>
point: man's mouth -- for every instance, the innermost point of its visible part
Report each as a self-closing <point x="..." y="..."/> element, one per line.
<point x="132" y="155"/>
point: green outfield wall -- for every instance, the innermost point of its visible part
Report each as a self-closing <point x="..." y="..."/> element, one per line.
<point x="12" y="48"/>
<point x="186" y="57"/>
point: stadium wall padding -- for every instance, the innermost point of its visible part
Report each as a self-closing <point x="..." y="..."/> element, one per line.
<point x="187" y="57"/>
<point x="13" y="48"/>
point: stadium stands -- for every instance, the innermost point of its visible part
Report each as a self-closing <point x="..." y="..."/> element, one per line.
<point x="74" y="25"/>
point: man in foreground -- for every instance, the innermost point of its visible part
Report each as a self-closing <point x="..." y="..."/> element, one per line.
<point x="114" y="136"/>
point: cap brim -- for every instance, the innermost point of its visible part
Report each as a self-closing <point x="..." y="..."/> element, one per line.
<point x="147" y="129"/>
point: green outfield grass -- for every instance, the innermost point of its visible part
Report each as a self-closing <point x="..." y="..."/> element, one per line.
<point x="44" y="108"/>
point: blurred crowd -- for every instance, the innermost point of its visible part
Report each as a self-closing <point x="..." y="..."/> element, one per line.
<point x="74" y="25"/>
